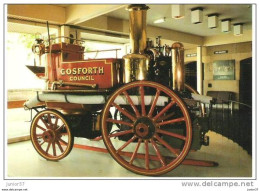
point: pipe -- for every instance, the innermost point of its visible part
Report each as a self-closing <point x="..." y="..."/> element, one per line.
<point x="155" y="52"/>
<point x="178" y="73"/>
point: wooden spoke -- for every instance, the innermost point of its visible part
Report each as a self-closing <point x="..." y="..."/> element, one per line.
<point x="154" y="103"/>
<point x="146" y="154"/>
<point x="135" y="151"/>
<point x="48" y="147"/>
<point x="164" y="117"/>
<point x="59" y="145"/>
<point x="127" y="114"/>
<point x="130" y="101"/>
<point x="121" y="133"/>
<point x="158" y="153"/>
<point x="174" y="151"/>
<point x="56" y="122"/>
<point x="49" y="118"/>
<point x="39" y="135"/>
<point x="59" y="128"/>
<point x="40" y="127"/>
<point x="54" y="148"/>
<point x="142" y="100"/>
<point x="171" y="121"/>
<point x="42" y="143"/>
<point x="127" y="143"/>
<point x="63" y="142"/>
<point x="43" y="120"/>
<point x="171" y="134"/>
<point x="119" y="122"/>
<point x="164" y="110"/>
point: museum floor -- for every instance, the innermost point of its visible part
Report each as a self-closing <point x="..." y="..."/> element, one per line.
<point x="22" y="161"/>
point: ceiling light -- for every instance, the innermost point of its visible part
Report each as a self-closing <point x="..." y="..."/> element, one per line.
<point x="238" y="29"/>
<point x="197" y="15"/>
<point x="177" y="11"/>
<point x="162" y="20"/>
<point x="212" y="21"/>
<point x="226" y="25"/>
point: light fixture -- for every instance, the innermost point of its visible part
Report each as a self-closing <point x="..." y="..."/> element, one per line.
<point x="162" y="20"/>
<point x="197" y="15"/>
<point x="177" y="11"/>
<point x="226" y="25"/>
<point x="213" y="21"/>
<point x="238" y="29"/>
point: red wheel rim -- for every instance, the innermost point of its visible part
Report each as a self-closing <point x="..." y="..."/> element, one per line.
<point x="146" y="121"/>
<point x="50" y="135"/>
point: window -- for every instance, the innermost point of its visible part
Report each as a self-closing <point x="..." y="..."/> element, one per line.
<point x="94" y="50"/>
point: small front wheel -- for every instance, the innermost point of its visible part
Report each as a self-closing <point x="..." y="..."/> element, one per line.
<point x="51" y="135"/>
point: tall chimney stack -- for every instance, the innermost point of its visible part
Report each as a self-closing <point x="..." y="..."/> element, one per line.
<point x="136" y="63"/>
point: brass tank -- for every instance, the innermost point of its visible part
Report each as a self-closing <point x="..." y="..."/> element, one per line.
<point x="178" y="73"/>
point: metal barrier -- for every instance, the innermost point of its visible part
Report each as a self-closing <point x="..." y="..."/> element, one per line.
<point x="235" y="124"/>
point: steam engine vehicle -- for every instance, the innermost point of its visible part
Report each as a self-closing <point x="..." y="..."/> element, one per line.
<point x="148" y="118"/>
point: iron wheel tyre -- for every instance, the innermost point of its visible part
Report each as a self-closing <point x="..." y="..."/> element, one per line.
<point x="51" y="135"/>
<point x="145" y="128"/>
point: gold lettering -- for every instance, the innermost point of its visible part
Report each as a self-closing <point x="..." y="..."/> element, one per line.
<point x="74" y="71"/>
<point x="90" y="70"/>
<point x="62" y="71"/>
<point x="84" y="70"/>
<point x="101" y="70"/>
<point x="79" y="70"/>
<point x="80" y="78"/>
<point x="95" y="70"/>
<point x="68" y="71"/>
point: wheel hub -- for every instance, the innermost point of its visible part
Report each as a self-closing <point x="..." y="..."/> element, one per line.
<point x="49" y="135"/>
<point x="144" y="128"/>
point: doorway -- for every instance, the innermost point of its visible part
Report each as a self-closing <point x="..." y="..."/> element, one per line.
<point x="191" y="74"/>
<point x="245" y="83"/>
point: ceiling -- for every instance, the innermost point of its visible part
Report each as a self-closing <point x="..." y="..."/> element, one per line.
<point x="238" y="13"/>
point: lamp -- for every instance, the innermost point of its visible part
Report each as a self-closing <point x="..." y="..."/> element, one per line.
<point x="162" y="20"/>
<point x="238" y="29"/>
<point x="196" y="15"/>
<point x="177" y="11"/>
<point x="225" y="25"/>
<point x="212" y="21"/>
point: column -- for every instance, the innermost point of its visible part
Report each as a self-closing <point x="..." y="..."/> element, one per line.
<point x="65" y="32"/>
<point x="199" y="70"/>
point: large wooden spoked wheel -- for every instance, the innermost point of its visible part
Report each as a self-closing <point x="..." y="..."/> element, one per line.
<point x="142" y="140"/>
<point x="51" y="135"/>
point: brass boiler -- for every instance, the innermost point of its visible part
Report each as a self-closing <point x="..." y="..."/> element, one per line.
<point x="178" y="73"/>
<point x="136" y="64"/>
